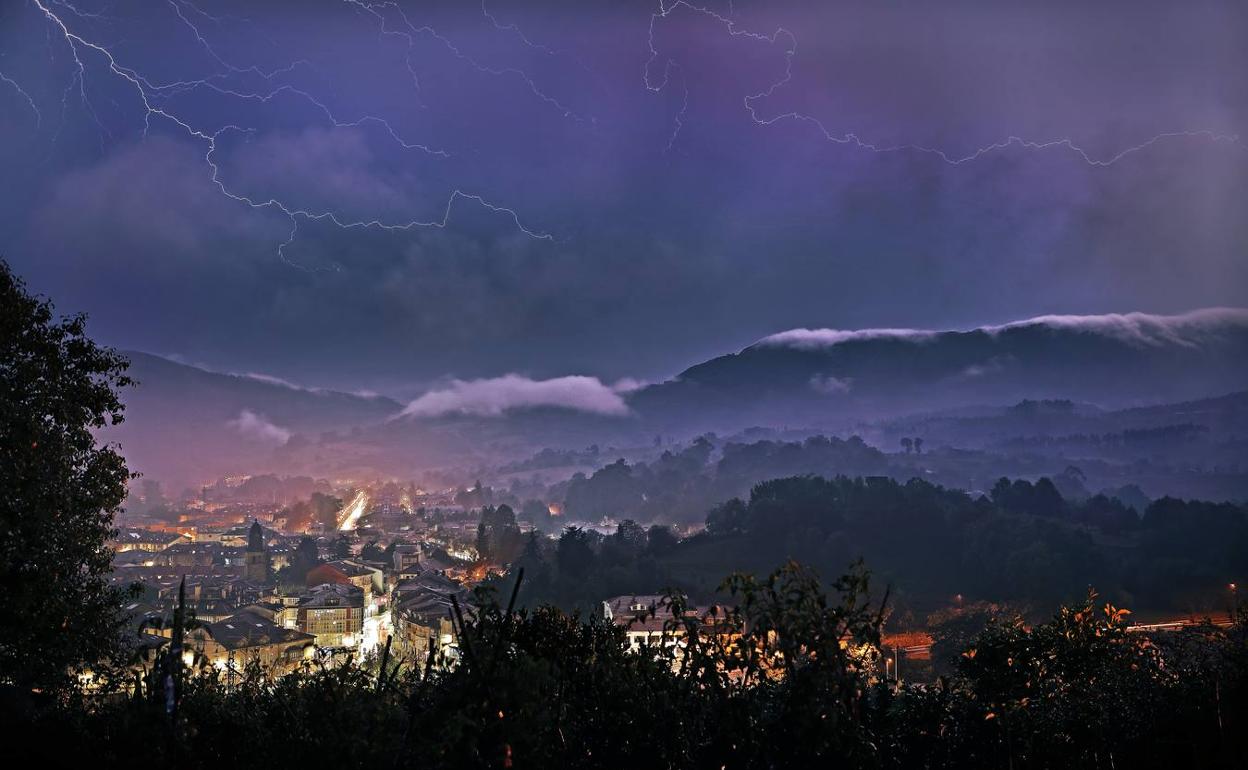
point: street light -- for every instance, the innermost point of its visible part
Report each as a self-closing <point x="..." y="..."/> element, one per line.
<point x="1234" y="598"/>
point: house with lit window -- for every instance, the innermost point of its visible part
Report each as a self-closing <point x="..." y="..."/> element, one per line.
<point x="648" y="621"/>
<point x="643" y="618"/>
<point x="145" y="540"/>
<point x="249" y="639"/>
<point x="333" y="613"/>
<point x="420" y="611"/>
<point x="370" y="580"/>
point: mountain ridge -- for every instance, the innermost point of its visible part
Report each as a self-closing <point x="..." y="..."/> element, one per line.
<point x="191" y="424"/>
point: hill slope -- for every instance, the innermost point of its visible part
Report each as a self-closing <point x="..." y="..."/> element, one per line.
<point x="826" y="376"/>
<point x="185" y="425"/>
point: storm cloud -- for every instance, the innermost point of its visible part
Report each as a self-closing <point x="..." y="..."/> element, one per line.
<point x="357" y="203"/>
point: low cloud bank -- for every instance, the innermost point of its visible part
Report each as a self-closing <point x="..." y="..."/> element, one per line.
<point x="269" y="379"/>
<point x="823" y="338"/>
<point x="629" y="385"/>
<point x="1187" y="329"/>
<point x="494" y="396"/>
<point x="829" y="385"/>
<point x="257" y="427"/>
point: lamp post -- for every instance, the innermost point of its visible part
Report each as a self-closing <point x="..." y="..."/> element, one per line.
<point x="1234" y="599"/>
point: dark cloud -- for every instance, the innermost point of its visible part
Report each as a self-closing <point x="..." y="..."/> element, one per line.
<point x="684" y="219"/>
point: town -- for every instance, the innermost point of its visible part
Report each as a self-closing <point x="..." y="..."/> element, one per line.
<point x="381" y="570"/>
<point x="284" y="584"/>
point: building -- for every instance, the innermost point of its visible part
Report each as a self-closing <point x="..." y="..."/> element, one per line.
<point x="643" y="618"/>
<point x="281" y="555"/>
<point x="256" y="561"/>
<point x="370" y="580"/>
<point x="146" y="540"/>
<point x="144" y="623"/>
<point x="420" y="612"/>
<point x="648" y="621"/>
<point x="423" y="623"/>
<point x="249" y="639"/>
<point x="407" y="557"/>
<point x="210" y="595"/>
<point x="197" y="554"/>
<point x="333" y="613"/>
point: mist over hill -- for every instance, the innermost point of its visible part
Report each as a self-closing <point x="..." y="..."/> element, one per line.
<point x="185" y="425"/>
<point x="830" y="377"/>
<point x="1107" y="374"/>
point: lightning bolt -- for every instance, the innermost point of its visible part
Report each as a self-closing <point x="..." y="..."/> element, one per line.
<point x="414" y="30"/>
<point x="515" y="30"/>
<point x="678" y="122"/>
<point x="789" y="40"/>
<point x="22" y="93"/>
<point x="528" y="42"/>
<point x="155" y="100"/>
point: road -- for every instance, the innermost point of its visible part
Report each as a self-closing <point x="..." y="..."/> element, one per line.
<point x="350" y="514"/>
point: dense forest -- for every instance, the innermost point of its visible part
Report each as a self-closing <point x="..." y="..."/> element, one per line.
<point x="679" y="486"/>
<point x="1022" y="542"/>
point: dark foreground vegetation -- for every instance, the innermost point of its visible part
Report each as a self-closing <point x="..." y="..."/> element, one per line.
<point x="790" y="678"/>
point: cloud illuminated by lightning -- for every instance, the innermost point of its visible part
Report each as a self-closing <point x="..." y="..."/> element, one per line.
<point x="783" y="36"/>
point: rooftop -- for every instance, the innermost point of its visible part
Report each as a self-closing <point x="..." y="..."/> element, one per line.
<point x="249" y="629"/>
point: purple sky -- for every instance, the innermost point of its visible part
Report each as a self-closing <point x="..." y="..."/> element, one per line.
<point x="640" y="186"/>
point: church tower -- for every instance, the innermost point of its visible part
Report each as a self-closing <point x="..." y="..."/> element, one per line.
<point x="256" y="566"/>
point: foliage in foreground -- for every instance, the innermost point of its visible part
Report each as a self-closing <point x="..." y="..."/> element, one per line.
<point x="60" y="491"/>
<point x="796" y="685"/>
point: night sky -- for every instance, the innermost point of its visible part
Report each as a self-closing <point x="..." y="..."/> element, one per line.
<point x="384" y="195"/>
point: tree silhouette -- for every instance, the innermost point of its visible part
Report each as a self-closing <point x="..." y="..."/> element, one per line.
<point x="61" y="491"/>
